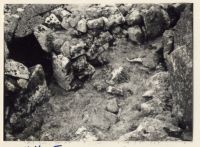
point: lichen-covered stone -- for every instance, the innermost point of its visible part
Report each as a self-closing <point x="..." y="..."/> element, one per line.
<point x="52" y="21"/>
<point x="16" y="69"/>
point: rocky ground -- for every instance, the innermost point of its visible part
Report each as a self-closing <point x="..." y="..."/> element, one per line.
<point x="98" y="72"/>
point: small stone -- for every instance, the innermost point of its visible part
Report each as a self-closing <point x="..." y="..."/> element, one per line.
<point x="151" y="61"/>
<point x="65" y="49"/>
<point x="53" y="21"/>
<point x="145" y="108"/>
<point x="135" y="34"/>
<point x="6" y="51"/>
<point x="74" y="19"/>
<point x="94" y="52"/>
<point x="134" y="17"/>
<point x="112" y="106"/>
<point x="16" y="69"/>
<point x="41" y="33"/>
<point x="118" y="75"/>
<point x="95" y="23"/>
<point x="60" y="12"/>
<point x="148" y="94"/>
<point x="115" y="91"/>
<point x="22" y="83"/>
<point x="105" y="37"/>
<point x="9" y="86"/>
<point x="135" y="60"/>
<point x="62" y="71"/>
<point x="116" y="19"/>
<point x="10" y="25"/>
<point x="82" y="26"/>
<point x="93" y="12"/>
<point x="65" y="23"/>
<point x="77" y="50"/>
<point x="168" y="42"/>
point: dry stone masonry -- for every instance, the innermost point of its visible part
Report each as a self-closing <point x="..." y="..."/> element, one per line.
<point x="98" y="72"/>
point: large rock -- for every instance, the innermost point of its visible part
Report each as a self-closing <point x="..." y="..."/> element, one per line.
<point x="16" y="69"/>
<point x="156" y="20"/>
<point x="56" y="39"/>
<point x="181" y="72"/>
<point x="180" y="66"/>
<point x="31" y="18"/>
<point x="62" y="71"/>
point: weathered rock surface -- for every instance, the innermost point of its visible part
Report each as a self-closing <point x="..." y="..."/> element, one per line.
<point x="95" y="23"/>
<point x="134" y="17"/>
<point x="180" y="67"/>
<point x="156" y="21"/>
<point x="31" y="18"/>
<point x="62" y="72"/>
<point x="135" y="34"/>
<point x="41" y="32"/>
<point x="16" y="69"/>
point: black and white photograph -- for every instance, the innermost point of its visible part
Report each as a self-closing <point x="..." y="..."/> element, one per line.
<point x="98" y="72"/>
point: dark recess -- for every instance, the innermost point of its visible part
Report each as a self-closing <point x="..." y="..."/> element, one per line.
<point x="28" y="51"/>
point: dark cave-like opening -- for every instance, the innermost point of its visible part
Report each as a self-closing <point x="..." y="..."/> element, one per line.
<point x="28" y="51"/>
